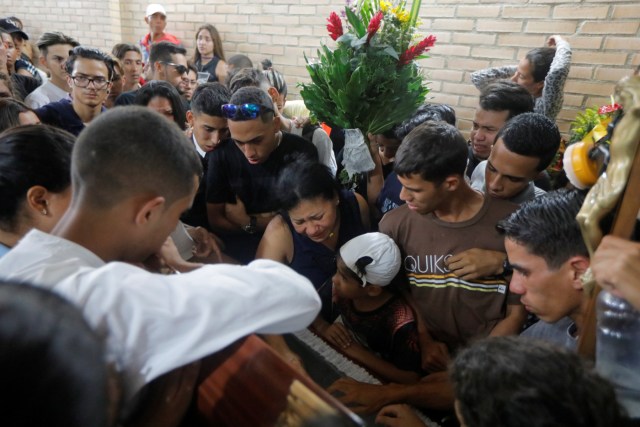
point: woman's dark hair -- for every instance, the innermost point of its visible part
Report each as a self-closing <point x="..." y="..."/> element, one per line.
<point x="165" y="90"/>
<point x="305" y="180"/>
<point x="218" y="50"/>
<point x="540" y="60"/>
<point x="31" y="155"/>
<point x="10" y="110"/>
<point x="52" y="363"/>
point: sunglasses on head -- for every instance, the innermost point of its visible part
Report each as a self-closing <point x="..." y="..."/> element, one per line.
<point x="181" y="69"/>
<point x="243" y="111"/>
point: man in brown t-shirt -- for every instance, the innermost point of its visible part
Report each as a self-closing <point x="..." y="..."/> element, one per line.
<point x="442" y="216"/>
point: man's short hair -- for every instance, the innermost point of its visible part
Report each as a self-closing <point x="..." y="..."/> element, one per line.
<point x="41" y="383"/>
<point x="162" y="51"/>
<point x="547" y="227"/>
<point x="89" y="53"/>
<point x="129" y="151"/>
<point x="434" y="150"/>
<point x="192" y="67"/>
<point x="424" y="113"/>
<point x="121" y="49"/>
<point x="254" y="95"/>
<point x="240" y="61"/>
<point x="514" y="381"/>
<point x="248" y="77"/>
<point x="53" y="38"/>
<point x="208" y="99"/>
<point x="506" y="96"/>
<point x="532" y="135"/>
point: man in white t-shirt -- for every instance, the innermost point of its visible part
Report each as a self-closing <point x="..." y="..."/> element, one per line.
<point x="133" y="174"/>
<point x="54" y="49"/>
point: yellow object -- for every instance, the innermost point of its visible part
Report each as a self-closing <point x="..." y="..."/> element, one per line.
<point x="599" y="131"/>
<point x="585" y="169"/>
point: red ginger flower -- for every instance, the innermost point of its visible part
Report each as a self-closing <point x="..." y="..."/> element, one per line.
<point x="374" y="25"/>
<point x="334" y="26"/>
<point x="416" y="50"/>
<point x="605" y="109"/>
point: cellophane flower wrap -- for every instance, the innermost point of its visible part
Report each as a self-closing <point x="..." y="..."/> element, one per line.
<point x="371" y="80"/>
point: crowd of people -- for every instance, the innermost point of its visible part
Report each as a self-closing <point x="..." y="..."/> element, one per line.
<point x="155" y="209"/>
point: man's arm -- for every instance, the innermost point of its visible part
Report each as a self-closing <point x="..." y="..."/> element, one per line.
<point x="236" y="213"/>
<point x="512" y="323"/>
<point x="164" y="322"/>
<point x="616" y="267"/>
<point x="475" y="263"/>
<point x="381" y="367"/>
<point x="434" y="354"/>
<point x="434" y="392"/>
<point x="375" y="178"/>
<point x="218" y="220"/>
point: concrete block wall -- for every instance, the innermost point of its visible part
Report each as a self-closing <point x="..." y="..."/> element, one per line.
<point x="472" y="34"/>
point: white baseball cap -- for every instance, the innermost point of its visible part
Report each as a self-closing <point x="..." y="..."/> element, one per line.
<point x="374" y="257"/>
<point x="155" y="8"/>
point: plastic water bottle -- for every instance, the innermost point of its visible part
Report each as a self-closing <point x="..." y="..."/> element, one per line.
<point x="618" y="349"/>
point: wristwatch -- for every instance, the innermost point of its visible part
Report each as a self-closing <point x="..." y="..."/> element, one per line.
<point x="252" y="227"/>
<point x="506" y="267"/>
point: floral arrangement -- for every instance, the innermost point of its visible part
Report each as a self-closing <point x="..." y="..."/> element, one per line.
<point x="370" y="81"/>
<point x="591" y="126"/>
<point x="586" y="153"/>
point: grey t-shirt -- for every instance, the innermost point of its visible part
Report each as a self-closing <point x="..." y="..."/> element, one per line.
<point x="563" y="333"/>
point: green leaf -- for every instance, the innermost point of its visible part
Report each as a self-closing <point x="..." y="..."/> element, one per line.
<point x="415" y="11"/>
<point x="356" y="43"/>
<point x="346" y="38"/>
<point x="389" y="50"/>
<point x="357" y="25"/>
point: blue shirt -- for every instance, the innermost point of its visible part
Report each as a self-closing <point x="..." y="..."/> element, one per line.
<point x="3" y="250"/>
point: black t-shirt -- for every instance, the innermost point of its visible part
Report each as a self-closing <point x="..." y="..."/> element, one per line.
<point x="230" y="174"/>
<point x="197" y="214"/>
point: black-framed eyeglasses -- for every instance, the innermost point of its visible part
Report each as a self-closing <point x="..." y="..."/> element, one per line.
<point x="84" y="81"/>
<point x="181" y="69"/>
<point x="243" y="111"/>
